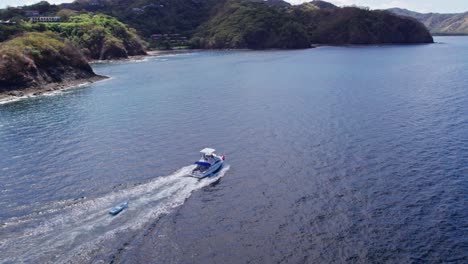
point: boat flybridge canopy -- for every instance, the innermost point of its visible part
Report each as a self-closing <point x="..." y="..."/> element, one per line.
<point x="207" y="151"/>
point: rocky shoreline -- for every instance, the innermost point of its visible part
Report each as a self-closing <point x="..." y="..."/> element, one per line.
<point x="14" y="95"/>
<point x="22" y="93"/>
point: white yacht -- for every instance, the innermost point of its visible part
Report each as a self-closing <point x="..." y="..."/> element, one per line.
<point x="208" y="164"/>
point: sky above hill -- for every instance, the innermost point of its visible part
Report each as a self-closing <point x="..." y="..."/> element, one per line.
<point x="449" y="6"/>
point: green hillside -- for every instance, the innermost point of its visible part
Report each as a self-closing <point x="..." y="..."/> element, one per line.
<point x="39" y="58"/>
<point x="100" y="36"/>
<point x="351" y="25"/>
<point x="252" y="24"/>
<point x="247" y="24"/>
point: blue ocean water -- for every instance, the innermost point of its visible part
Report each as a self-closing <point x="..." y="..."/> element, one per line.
<point x="336" y="154"/>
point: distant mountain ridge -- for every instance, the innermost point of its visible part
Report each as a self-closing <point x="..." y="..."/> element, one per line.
<point x="438" y="24"/>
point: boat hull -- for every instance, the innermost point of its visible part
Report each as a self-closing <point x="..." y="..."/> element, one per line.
<point x="212" y="170"/>
<point x="118" y="209"/>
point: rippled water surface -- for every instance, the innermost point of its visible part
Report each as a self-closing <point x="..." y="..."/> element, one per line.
<point x="335" y="154"/>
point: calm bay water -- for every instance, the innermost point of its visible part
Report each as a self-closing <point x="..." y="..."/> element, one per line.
<point x="336" y="154"/>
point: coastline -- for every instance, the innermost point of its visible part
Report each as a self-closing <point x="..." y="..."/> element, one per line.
<point x="149" y="54"/>
<point x="129" y="59"/>
<point x="29" y="92"/>
<point x="23" y="93"/>
<point x="18" y="94"/>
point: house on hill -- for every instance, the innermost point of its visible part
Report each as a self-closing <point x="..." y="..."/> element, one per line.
<point x="45" y="19"/>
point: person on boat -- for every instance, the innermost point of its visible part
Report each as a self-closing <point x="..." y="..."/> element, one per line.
<point x="210" y="159"/>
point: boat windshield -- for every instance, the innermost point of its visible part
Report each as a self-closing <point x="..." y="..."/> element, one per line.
<point x="203" y="164"/>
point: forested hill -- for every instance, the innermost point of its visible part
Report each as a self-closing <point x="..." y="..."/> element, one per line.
<point x="37" y="54"/>
<point x="37" y="59"/>
<point x="259" y="23"/>
<point x="248" y="23"/>
<point x="449" y="24"/>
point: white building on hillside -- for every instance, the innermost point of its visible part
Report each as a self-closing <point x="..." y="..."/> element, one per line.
<point x="45" y="19"/>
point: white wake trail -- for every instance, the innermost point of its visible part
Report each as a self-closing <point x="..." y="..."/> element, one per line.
<point x="79" y="230"/>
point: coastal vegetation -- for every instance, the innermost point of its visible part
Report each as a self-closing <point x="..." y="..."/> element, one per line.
<point x="37" y="54"/>
<point x="34" y="59"/>
<point x="352" y="25"/>
<point x="247" y="24"/>
<point x="254" y="24"/>
<point x="100" y="36"/>
<point x="7" y="31"/>
<point x="151" y="16"/>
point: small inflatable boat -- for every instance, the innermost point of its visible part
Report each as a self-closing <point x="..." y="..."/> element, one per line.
<point x="118" y="208"/>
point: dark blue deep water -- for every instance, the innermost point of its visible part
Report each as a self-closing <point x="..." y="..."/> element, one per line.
<point x="336" y="155"/>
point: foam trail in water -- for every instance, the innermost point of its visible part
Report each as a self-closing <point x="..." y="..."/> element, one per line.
<point x="80" y="229"/>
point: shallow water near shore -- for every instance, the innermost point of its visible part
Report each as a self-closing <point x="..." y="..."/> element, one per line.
<point x="335" y="154"/>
